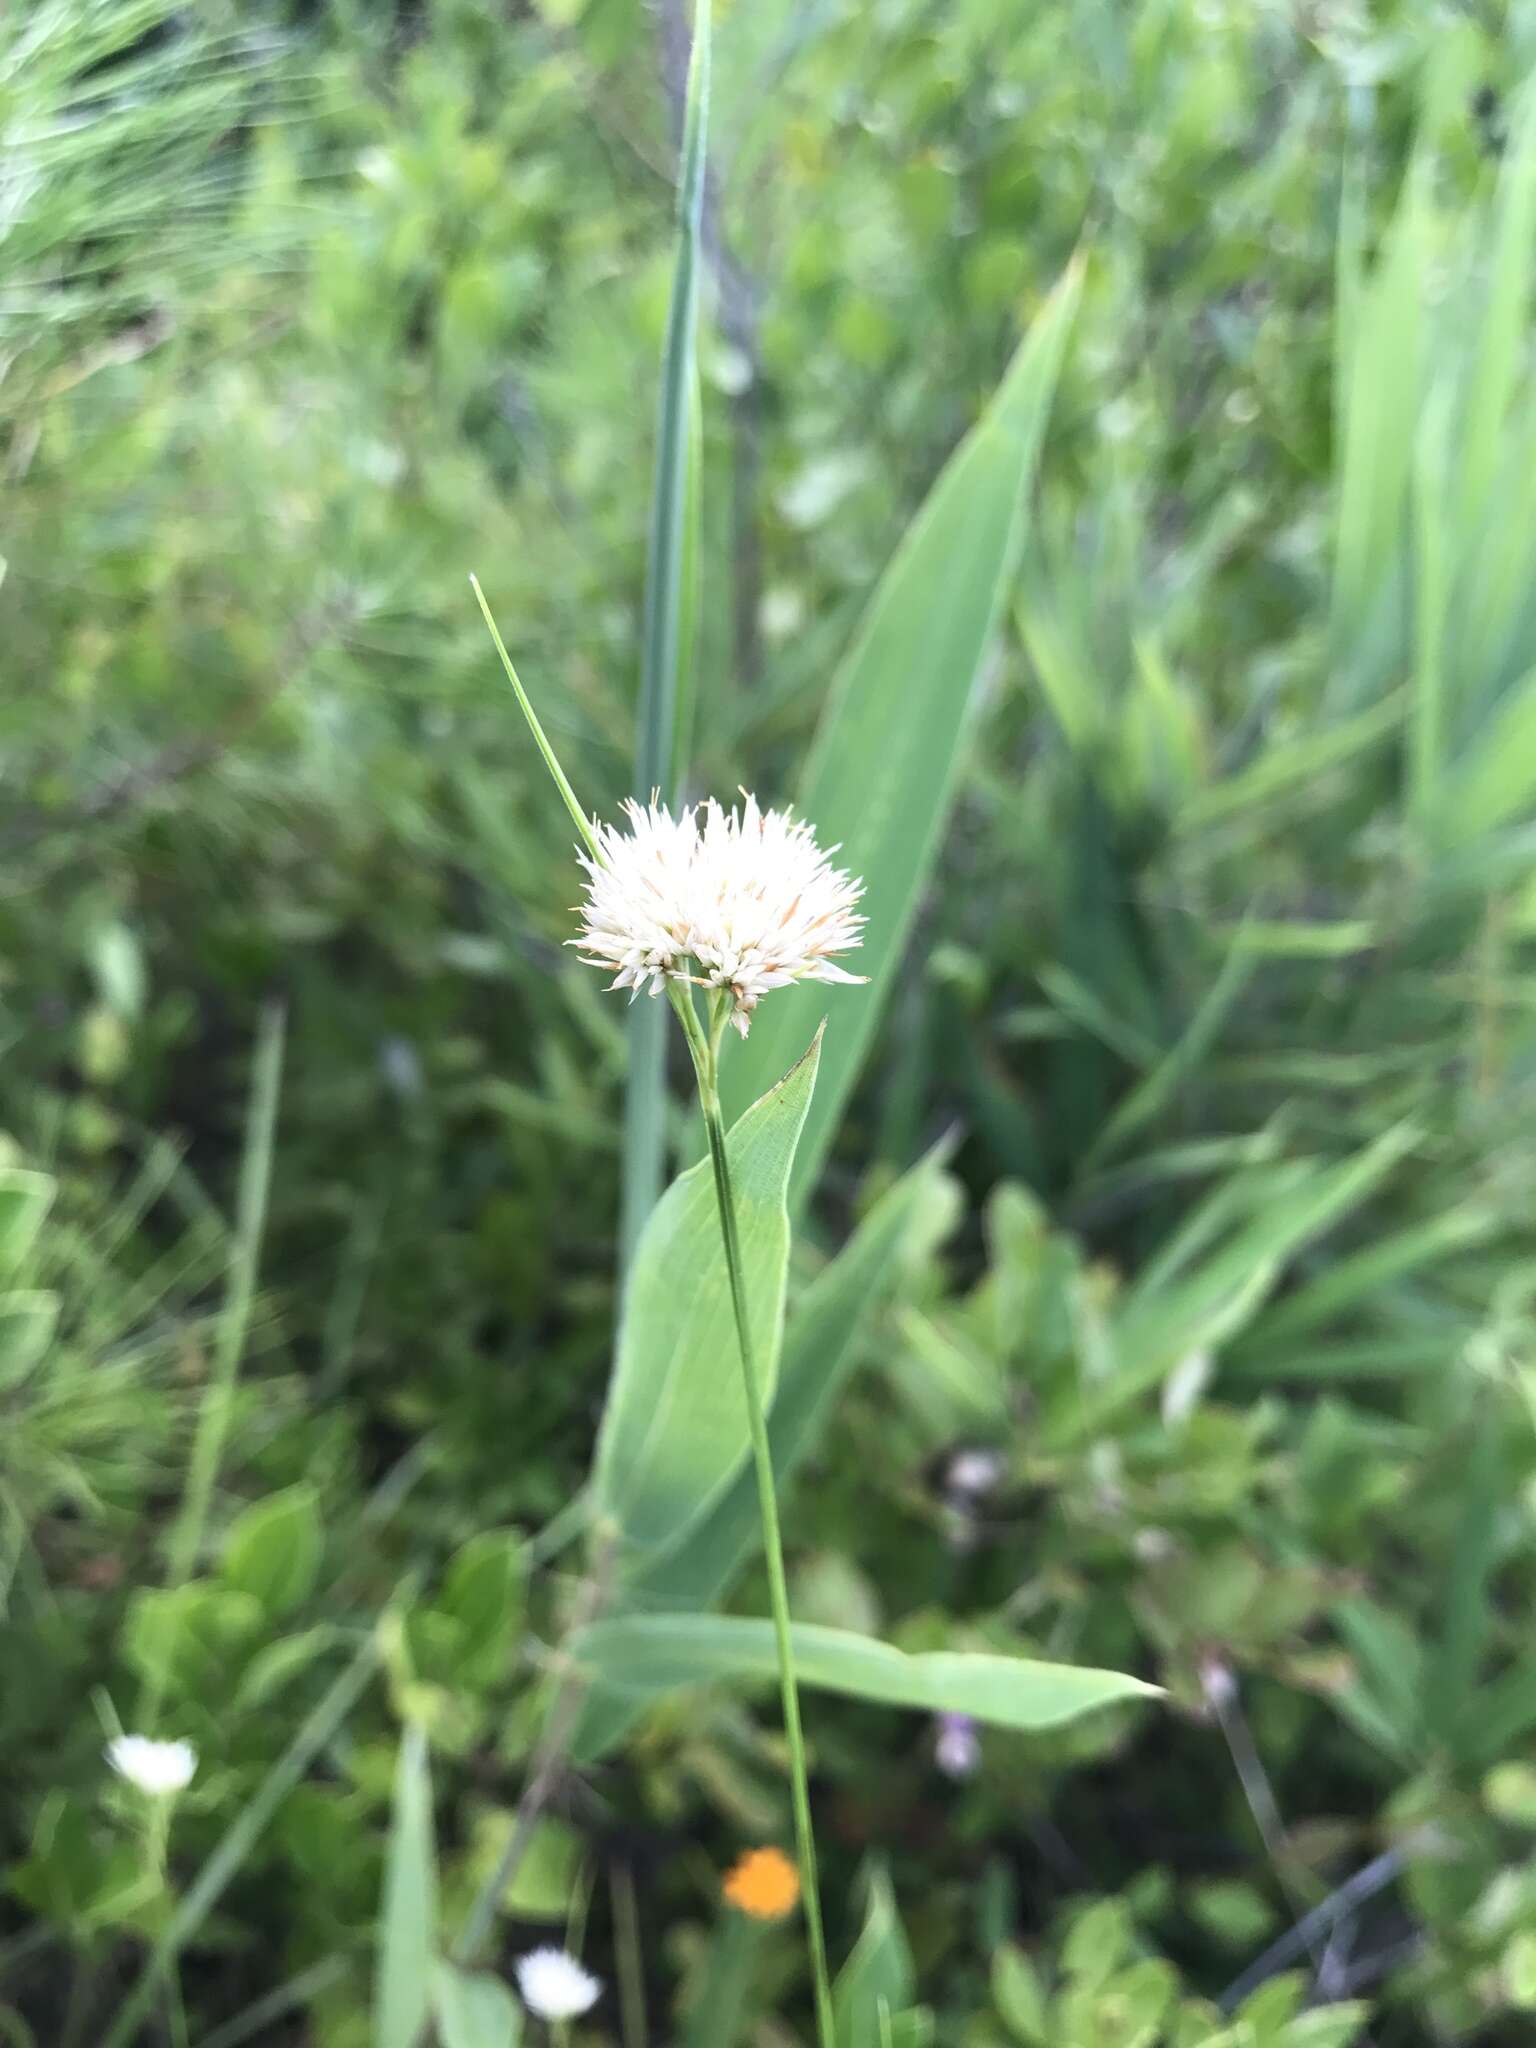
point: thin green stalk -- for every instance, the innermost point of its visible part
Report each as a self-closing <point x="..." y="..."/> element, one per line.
<point x="626" y="1940"/>
<point x="583" y="822"/>
<point x="216" y="1411"/>
<point x="706" y="1059"/>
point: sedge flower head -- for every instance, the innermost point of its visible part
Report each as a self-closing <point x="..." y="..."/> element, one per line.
<point x="740" y="900"/>
<point x="554" y="1985"/>
<point x="763" y="1884"/>
<point x="157" y="1768"/>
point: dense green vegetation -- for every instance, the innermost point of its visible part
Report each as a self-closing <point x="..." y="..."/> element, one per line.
<point x="1178" y="1157"/>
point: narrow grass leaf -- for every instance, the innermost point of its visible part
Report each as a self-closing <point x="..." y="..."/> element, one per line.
<point x="408" y="1921"/>
<point x="1450" y="1677"/>
<point x="1495" y="368"/>
<point x="882" y="770"/>
<point x="666" y="1651"/>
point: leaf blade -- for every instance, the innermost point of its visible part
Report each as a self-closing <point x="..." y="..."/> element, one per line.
<point x="675" y="1427"/>
<point x="659" y="1652"/>
<point x="883" y="765"/>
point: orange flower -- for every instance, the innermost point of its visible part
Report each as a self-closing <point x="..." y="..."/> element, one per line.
<point x="763" y="1883"/>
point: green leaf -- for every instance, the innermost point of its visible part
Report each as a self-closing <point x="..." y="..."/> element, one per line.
<point x="876" y="1981"/>
<point x="272" y="1668"/>
<point x="27" y="1321"/>
<point x="474" y="2010"/>
<point x="1381" y="356"/>
<point x="657" y="1652"/>
<point x="821" y="1348"/>
<point x="822" y="1345"/>
<point x="484" y="1593"/>
<point x="718" y="1995"/>
<point x="1450" y="1676"/>
<point x="273" y="1550"/>
<point x="1494" y="782"/>
<point x="666" y="630"/>
<point x="187" y="1638"/>
<point x="1019" y="1995"/>
<point x="408" y="1916"/>
<point x="881" y="773"/>
<point x="25" y="1198"/>
<point x="675" y="1428"/>
<point x="1330" y="2026"/>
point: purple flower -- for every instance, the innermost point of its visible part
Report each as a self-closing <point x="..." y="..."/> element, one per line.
<point x="956" y="1745"/>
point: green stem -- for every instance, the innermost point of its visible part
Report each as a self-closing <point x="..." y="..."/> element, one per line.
<point x="217" y="1407"/>
<point x="583" y="822"/>
<point x="706" y="1062"/>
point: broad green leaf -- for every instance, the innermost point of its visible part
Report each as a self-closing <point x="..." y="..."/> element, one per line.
<point x="667" y="629"/>
<point x="675" y="1428"/>
<point x="186" y="1639"/>
<point x="665" y="1651"/>
<point x="1019" y="1995"/>
<point x="822" y="1344"/>
<point x="273" y="1550"/>
<point x="821" y="1348"/>
<point x="882" y="770"/>
<point x="473" y="2009"/>
<point x="483" y="1592"/>
<point x="25" y="1198"/>
<point x="408" y="1918"/>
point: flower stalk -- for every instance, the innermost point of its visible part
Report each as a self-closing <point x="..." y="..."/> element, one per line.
<point x="705" y="1049"/>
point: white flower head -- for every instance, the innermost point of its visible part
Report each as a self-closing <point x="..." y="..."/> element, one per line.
<point x="554" y="1985"/>
<point x="742" y="900"/>
<point x="158" y="1768"/>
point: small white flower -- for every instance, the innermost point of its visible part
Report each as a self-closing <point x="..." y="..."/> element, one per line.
<point x="975" y="1472"/>
<point x="744" y="901"/>
<point x="158" y="1768"/>
<point x="554" y="1985"/>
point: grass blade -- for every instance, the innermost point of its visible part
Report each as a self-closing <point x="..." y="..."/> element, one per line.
<point x="882" y="770"/>
<point x="408" y="1923"/>
<point x="218" y="1403"/>
<point x="665" y="1650"/>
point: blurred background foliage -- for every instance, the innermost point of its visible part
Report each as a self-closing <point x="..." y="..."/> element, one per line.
<point x="1222" y="984"/>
